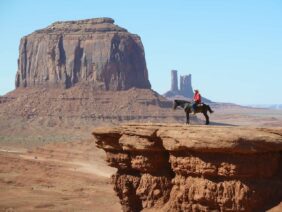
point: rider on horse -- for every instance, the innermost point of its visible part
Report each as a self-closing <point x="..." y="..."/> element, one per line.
<point x="197" y="100"/>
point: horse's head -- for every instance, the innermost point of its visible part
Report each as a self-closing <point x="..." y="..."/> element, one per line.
<point x="180" y="103"/>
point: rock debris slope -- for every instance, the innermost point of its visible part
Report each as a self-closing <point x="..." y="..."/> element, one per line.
<point x="194" y="168"/>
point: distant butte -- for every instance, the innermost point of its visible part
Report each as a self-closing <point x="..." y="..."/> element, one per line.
<point x="94" y="52"/>
<point x="83" y="73"/>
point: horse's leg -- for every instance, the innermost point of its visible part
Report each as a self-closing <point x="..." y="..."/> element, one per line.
<point x="207" y="118"/>
<point x="187" y="117"/>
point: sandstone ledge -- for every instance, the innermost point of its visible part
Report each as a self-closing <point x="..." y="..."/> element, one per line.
<point x="196" y="138"/>
<point x="194" y="168"/>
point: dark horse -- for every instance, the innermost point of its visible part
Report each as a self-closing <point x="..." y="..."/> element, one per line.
<point x="186" y="105"/>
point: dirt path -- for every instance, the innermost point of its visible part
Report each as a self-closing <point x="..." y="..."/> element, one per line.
<point x="58" y="177"/>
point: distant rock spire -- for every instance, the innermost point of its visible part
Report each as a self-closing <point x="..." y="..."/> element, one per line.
<point x="174" y="81"/>
<point x="186" y="89"/>
<point x="186" y="86"/>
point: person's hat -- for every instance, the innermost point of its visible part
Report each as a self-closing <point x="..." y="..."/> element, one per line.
<point x="196" y="90"/>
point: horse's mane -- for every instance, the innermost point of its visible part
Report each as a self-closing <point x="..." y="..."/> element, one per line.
<point x="179" y="101"/>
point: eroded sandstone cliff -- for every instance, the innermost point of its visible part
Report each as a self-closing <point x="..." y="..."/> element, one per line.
<point x="95" y="52"/>
<point x="194" y="168"/>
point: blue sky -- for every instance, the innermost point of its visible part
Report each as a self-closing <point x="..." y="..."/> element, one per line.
<point x="232" y="48"/>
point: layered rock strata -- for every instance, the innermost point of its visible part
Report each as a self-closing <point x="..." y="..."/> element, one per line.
<point x="185" y="91"/>
<point x="95" y="52"/>
<point x="174" y="82"/>
<point x="186" y="86"/>
<point x="194" y="168"/>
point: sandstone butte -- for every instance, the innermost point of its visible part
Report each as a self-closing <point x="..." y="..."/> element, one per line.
<point x="92" y="52"/>
<point x="194" y="168"/>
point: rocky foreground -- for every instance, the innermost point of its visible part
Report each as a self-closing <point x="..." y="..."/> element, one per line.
<point x="194" y="168"/>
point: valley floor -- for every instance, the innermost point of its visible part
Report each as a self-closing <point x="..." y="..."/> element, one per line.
<point x="57" y="177"/>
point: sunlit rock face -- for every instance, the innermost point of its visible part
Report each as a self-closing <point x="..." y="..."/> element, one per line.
<point x="194" y="168"/>
<point x="95" y="52"/>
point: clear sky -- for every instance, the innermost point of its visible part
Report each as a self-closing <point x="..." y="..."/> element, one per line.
<point x="232" y="48"/>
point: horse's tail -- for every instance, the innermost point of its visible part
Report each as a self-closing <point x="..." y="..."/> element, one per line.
<point x="209" y="109"/>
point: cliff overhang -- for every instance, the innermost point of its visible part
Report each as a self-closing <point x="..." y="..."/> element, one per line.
<point x="194" y="168"/>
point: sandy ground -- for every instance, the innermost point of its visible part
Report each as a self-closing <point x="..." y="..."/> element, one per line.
<point x="244" y="116"/>
<point x="51" y="169"/>
<point x="57" y="177"/>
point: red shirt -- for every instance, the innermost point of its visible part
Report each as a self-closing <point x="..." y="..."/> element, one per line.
<point x="197" y="97"/>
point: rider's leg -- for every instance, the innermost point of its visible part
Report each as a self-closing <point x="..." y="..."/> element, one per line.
<point x="194" y="107"/>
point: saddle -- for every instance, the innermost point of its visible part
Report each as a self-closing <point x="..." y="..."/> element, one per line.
<point x="189" y="105"/>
